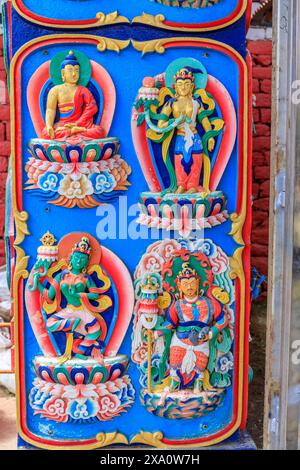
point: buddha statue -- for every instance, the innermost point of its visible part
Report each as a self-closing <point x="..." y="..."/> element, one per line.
<point x="76" y="106"/>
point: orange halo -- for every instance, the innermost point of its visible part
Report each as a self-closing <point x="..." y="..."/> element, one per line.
<point x="67" y="243"/>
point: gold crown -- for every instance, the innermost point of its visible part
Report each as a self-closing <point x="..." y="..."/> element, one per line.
<point x="48" y="239"/>
<point x="83" y="246"/>
<point x="184" y="74"/>
<point x="187" y="272"/>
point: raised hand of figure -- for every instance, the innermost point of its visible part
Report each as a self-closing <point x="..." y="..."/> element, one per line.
<point x="211" y="144"/>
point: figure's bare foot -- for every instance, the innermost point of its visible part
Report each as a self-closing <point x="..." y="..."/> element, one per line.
<point x="180" y="190"/>
<point x="98" y="356"/>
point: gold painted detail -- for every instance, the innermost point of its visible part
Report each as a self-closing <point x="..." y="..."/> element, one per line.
<point x="149" y="438"/>
<point x="236" y="264"/>
<point x="164" y="300"/>
<point x="151" y="20"/>
<point x="158" y="46"/>
<point x="21" y="219"/>
<point x="110" y="18"/>
<point x="221" y="295"/>
<point x="108" y="44"/>
<point x="48" y="239"/>
<point x="111" y="438"/>
<point x="21" y="266"/>
<point x="238" y="221"/>
<point x="155" y="45"/>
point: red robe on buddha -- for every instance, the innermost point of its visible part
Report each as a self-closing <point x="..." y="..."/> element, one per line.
<point x="81" y="112"/>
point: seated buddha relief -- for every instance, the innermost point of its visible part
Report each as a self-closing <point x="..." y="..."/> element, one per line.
<point x="75" y="104"/>
<point x="73" y="161"/>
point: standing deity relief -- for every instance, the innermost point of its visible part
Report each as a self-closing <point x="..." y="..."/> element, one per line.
<point x="183" y="328"/>
<point x="184" y="124"/>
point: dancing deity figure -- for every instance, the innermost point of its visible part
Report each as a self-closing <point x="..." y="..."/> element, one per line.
<point x="80" y="319"/>
<point x="195" y="319"/>
<point x="76" y="106"/>
<point x="187" y="108"/>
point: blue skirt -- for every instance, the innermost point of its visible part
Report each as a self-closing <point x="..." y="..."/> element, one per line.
<point x="195" y="147"/>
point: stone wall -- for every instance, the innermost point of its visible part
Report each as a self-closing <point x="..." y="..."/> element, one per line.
<point x="261" y="51"/>
<point x="4" y="146"/>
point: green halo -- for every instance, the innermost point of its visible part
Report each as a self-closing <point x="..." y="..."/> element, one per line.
<point x="84" y="62"/>
<point x="194" y="263"/>
<point x="200" y="78"/>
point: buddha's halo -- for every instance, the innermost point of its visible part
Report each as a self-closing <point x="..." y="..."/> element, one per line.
<point x="84" y="62"/>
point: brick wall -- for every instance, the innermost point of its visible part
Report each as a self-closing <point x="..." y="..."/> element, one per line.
<point x="261" y="52"/>
<point x="262" y="75"/>
<point x="4" y="147"/>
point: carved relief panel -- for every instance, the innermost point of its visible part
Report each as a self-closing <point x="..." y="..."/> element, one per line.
<point x="131" y="197"/>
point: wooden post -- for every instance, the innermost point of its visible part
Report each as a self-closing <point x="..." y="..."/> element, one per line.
<point x="279" y="321"/>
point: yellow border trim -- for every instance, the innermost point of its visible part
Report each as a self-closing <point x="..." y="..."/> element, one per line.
<point x="157" y="21"/>
<point x="101" y="19"/>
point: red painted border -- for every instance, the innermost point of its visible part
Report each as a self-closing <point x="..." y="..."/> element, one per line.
<point x="93" y="21"/>
<point x="247" y="238"/>
<point x="248" y="14"/>
<point x="246" y="256"/>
